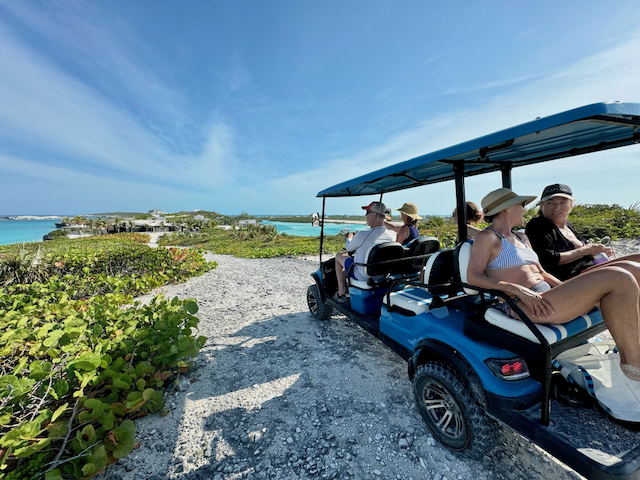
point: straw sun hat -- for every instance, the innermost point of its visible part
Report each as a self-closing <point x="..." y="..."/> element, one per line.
<point x="409" y="209"/>
<point x="502" y="198"/>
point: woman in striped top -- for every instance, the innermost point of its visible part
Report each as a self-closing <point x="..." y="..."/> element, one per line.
<point x="505" y="261"/>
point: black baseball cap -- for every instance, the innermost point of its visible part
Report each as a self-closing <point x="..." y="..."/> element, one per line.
<point x="556" y="190"/>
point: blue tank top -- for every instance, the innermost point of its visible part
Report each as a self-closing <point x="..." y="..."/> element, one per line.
<point x="511" y="256"/>
<point x="413" y="233"/>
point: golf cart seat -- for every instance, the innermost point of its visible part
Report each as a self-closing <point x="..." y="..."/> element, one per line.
<point x="537" y="344"/>
<point x="416" y="299"/>
<point x="381" y="260"/>
<point x="417" y="252"/>
<point x="552" y="333"/>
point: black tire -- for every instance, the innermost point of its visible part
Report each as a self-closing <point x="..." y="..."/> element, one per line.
<point x="451" y="412"/>
<point x="319" y="310"/>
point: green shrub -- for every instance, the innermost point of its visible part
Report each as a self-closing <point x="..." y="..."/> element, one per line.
<point x="79" y="360"/>
<point x="76" y="372"/>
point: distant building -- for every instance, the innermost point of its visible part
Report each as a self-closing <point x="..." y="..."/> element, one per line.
<point x="244" y="223"/>
<point x="156" y="213"/>
<point x="200" y="217"/>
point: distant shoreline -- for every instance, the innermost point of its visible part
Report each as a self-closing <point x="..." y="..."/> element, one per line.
<point x="31" y="217"/>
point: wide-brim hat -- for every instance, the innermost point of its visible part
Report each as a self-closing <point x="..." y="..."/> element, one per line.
<point x="501" y="199"/>
<point x="556" y="190"/>
<point x="410" y="209"/>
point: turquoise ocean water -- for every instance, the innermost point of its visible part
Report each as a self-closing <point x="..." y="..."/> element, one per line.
<point x="19" y="231"/>
<point x="23" y="231"/>
<point x="306" y="230"/>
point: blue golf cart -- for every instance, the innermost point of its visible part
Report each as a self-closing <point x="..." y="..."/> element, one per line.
<point x="473" y="369"/>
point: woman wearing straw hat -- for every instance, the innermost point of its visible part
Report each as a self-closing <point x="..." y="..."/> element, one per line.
<point x="503" y="260"/>
<point x="408" y="231"/>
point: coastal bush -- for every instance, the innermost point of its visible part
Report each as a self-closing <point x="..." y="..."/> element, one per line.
<point x="96" y="265"/>
<point x="598" y="221"/>
<point x="75" y="373"/>
<point x="79" y="360"/>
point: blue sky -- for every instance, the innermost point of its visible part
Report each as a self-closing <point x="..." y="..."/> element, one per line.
<point x="256" y="106"/>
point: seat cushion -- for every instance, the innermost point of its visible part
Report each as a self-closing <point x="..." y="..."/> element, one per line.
<point x="416" y="299"/>
<point x="553" y="333"/>
<point x="361" y="284"/>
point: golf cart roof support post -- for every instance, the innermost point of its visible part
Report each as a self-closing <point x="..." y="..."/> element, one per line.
<point x="461" y="201"/>
<point x="324" y="199"/>
<point x="506" y="174"/>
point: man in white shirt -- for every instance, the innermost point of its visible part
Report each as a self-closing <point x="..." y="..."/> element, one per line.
<point x="359" y="244"/>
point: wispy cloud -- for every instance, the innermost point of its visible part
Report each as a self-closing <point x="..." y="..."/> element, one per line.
<point x="588" y="80"/>
<point x="56" y="118"/>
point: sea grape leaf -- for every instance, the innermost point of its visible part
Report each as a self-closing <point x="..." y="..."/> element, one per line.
<point x="107" y="420"/>
<point x="57" y="430"/>
<point x="191" y="305"/>
<point x="5" y="416"/>
<point x="11" y="385"/>
<point x="59" y="411"/>
<point x="148" y="393"/>
<point x="20" y="366"/>
<point x="86" y="362"/>
<point x="88" y="469"/>
<point x="53" y="338"/>
<point x="61" y="387"/>
<point x="31" y="449"/>
<point x="39" y="370"/>
<point x="123" y="439"/>
<point x="53" y="475"/>
<point x="88" y="433"/>
<point x="91" y="403"/>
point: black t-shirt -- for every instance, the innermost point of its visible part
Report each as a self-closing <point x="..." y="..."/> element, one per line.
<point x="548" y="243"/>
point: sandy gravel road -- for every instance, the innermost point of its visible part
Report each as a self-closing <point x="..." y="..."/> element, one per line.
<point x="277" y="394"/>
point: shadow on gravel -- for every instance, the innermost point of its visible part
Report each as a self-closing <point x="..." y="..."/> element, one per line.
<point x="290" y="397"/>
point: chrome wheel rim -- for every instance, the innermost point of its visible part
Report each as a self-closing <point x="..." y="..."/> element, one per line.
<point x="443" y="410"/>
<point x="313" y="302"/>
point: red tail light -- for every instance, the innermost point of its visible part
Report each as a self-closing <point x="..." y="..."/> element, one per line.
<point x="508" y="369"/>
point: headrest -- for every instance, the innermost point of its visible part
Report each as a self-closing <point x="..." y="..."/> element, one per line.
<point x="438" y="272"/>
<point x="381" y="253"/>
<point x="421" y="247"/>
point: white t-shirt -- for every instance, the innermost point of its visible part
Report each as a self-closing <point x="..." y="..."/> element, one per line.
<point x="362" y="241"/>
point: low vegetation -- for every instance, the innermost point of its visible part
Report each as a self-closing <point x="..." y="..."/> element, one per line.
<point x="253" y="241"/>
<point x="79" y="358"/>
<point x="263" y="241"/>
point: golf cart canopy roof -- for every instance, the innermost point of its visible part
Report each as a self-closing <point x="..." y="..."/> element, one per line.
<point x="587" y="129"/>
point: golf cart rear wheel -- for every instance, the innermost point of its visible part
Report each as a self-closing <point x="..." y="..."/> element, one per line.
<point x="319" y="310"/>
<point x="451" y="412"/>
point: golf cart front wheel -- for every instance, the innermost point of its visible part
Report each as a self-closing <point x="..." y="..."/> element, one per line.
<point x="319" y="310"/>
<point x="451" y="412"/>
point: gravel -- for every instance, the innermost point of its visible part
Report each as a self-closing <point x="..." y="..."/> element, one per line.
<point x="277" y="394"/>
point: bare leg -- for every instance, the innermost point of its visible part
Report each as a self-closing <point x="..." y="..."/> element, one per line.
<point x="341" y="275"/>
<point x="618" y="293"/>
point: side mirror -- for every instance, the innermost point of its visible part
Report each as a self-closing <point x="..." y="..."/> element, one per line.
<point x="315" y="220"/>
